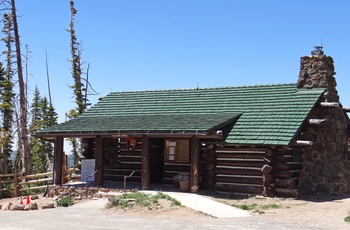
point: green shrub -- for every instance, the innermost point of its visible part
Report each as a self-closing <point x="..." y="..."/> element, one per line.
<point x="65" y="201"/>
<point x="347" y="219"/>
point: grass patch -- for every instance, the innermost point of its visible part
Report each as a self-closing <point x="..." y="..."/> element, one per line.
<point x="246" y="207"/>
<point x="271" y="206"/>
<point x="347" y="219"/>
<point x="144" y="200"/>
<point x="256" y="208"/>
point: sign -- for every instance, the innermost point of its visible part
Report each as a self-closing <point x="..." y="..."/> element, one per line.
<point x="87" y="169"/>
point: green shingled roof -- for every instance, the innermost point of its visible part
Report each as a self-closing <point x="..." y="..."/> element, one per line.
<point x="262" y="115"/>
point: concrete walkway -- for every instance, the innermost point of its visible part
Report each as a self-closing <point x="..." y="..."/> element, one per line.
<point x="205" y="205"/>
<point x="191" y="200"/>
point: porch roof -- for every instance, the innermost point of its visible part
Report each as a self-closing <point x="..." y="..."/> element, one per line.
<point x="144" y="124"/>
<point x="253" y="115"/>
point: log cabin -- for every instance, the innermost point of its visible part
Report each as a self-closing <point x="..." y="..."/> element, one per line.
<point x="274" y="140"/>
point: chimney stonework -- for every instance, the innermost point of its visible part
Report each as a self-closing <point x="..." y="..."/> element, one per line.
<point x="325" y="166"/>
<point x="317" y="72"/>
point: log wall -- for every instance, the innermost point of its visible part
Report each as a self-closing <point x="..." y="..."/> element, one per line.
<point x="121" y="161"/>
<point x="238" y="170"/>
<point x="287" y="168"/>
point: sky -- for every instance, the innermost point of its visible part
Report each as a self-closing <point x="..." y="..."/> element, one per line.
<point x="179" y="44"/>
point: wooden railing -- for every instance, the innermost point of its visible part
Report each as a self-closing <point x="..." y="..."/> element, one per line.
<point x="19" y="184"/>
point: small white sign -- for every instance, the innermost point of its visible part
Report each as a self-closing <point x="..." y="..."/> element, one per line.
<point x="87" y="169"/>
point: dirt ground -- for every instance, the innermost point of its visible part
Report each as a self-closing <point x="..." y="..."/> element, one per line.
<point x="319" y="212"/>
<point x="324" y="212"/>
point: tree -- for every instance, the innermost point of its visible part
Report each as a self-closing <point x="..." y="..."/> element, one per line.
<point x="7" y="95"/>
<point x="6" y="111"/>
<point x="43" y="115"/>
<point x="76" y="51"/>
<point x="78" y="86"/>
<point x="22" y="129"/>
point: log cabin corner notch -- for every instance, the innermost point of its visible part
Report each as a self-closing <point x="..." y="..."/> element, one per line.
<point x="254" y="139"/>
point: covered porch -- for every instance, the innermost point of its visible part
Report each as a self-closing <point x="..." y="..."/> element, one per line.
<point x="156" y="158"/>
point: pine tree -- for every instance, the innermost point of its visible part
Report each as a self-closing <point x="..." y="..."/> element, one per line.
<point x="78" y="86"/>
<point x="43" y="115"/>
<point x="7" y="96"/>
<point x="76" y="50"/>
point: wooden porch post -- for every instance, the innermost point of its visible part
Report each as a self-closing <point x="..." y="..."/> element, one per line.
<point x="58" y="160"/>
<point x="145" y="167"/>
<point x="195" y="152"/>
<point x="99" y="159"/>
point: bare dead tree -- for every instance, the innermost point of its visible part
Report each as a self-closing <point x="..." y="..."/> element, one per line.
<point x="48" y="78"/>
<point x="23" y="147"/>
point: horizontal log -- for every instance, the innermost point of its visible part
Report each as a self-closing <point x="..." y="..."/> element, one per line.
<point x="239" y="188"/>
<point x="303" y="142"/>
<point x="32" y="188"/>
<point x="282" y="174"/>
<point x="228" y="149"/>
<point x="123" y="166"/>
<point x="36" y="181"/>
<point x="278" y="157"/>
<point x="121" y="178"/>
<point x="330" y="104"/>
<point x="239" y="171"/>
<point x="179" y="168"/>
<point x="133" y="166"/>
<point x="6" y="182"/>
<point x="127" y="154"/>
<point x="35" y="175"/>
<point x="316" y="121"/>
<point x="286" y="183"/>
<point x="129" y="159"/>
<point x="7" y="175"/>
<point x="240" y="180"/>
<point x="240" y="163"/>
<point x="240" y="155"/>
<point x="346" y="109"/>
<point x="287" y="192"/>
<point x="280" y="166"/>
<point x="294" y="165"/>
<point x="125" y="149"/>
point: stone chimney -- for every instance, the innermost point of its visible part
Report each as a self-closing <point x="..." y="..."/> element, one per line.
<point x="317" y="71"/>
<point x="325" y="164"/>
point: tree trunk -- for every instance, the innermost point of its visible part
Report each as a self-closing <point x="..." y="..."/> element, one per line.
<point x="23" y="148"/>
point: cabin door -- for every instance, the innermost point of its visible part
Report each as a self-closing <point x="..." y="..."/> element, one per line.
<point x="157" y="159"/>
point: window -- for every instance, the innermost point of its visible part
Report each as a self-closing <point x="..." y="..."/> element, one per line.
<point x="177" y="151"/>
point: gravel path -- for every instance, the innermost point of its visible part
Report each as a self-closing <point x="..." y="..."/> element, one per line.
<point x="91" y="215"/>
